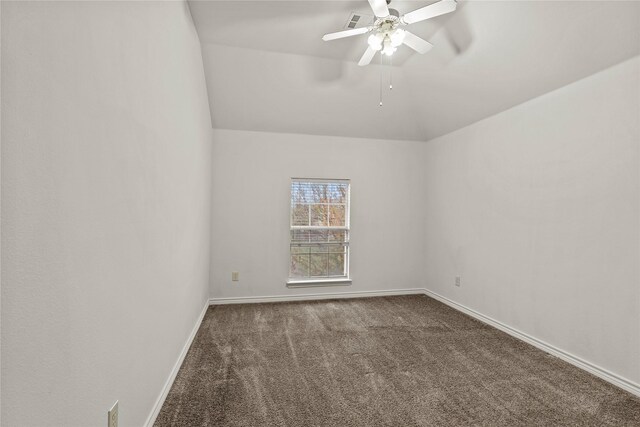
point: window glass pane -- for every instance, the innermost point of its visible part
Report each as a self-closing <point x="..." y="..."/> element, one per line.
<point x="318" y="249"/>
<point x="318" y="192"/>
<point x="336" y="264"/>
<point x="318" y="265"/>
<point x="337" y="248"/>
<point x="318" y="235"/>
<point x="337" y="236"/>
<point x="297" y="250"/>
<point x="319" y="215"/>
<point x="299" y="193"/>
<point x="319" y="252"/>
<point x="299" y="265"/>
<point x="337" y="215"/>
<point x="299" y="236"/>
<point x="337" y="192"/>
<point x="300" y="215"/>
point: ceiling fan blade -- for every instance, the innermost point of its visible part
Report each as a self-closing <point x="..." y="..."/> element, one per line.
<point x="379" y="7"/>
<point x="433" y="10"/>
<point x="416" y="43"/>
<point x="367" y="57"/>
<point x="346" y="33"/>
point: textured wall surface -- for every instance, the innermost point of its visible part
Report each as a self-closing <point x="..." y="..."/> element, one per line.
<point x="537" y="209"/>
<point x="252" y="173"/>
<point x="105" y="206"/>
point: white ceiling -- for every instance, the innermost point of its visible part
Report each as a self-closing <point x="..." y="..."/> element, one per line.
<point x="267" y="68"/>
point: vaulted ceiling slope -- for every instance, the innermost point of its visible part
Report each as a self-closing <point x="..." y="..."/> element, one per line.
<point x="267" y="68"/>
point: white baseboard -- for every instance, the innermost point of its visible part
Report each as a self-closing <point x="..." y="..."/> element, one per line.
<point x="310" y="297"/>
<point x="599" y="372"/>
<point x="174" y="372"/>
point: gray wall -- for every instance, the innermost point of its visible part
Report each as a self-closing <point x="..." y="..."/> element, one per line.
<point x="537" y="209"/>
<point x="250" y="220"/>
<point x="106" y="180"/>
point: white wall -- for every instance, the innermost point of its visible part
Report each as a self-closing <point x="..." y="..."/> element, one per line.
<point x="537" y="209"/>
<point x="105" y="206"/>
<point x="250" y="216"/>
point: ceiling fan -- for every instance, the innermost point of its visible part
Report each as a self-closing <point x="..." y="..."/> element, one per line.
<point x="387" y="32"/>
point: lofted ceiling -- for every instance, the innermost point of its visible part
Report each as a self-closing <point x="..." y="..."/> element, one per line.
<point x="267" y="68"/>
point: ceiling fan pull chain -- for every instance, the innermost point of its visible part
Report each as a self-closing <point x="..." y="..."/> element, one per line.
<point x="391" y="73"/>
<point x="381" y="72"/>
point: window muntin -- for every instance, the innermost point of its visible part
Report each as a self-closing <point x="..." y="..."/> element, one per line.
<point x="319" y="229"/>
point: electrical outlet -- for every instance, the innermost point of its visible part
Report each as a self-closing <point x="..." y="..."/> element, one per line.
<point x="457" y="280"/>
<point x="113" y="416"/>
<point x="235" y="276"/>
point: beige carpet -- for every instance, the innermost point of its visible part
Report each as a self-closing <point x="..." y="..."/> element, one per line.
<point x="392" y="361"/>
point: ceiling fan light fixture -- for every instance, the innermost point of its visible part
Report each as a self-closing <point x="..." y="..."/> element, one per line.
<point x="375" y="41"/>
<point x="397" y="37"/>
<point x="389" y="48"/>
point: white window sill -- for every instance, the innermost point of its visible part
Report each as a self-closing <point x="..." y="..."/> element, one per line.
<point x="309" y="283"/>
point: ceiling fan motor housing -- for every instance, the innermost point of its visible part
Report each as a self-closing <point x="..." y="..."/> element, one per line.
<point x="388" y="22"/>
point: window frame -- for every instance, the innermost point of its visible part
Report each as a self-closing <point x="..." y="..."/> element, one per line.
<point x="322" y="280"/>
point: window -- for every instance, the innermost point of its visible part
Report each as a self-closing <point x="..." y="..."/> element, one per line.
<point x="319" y="230"/>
